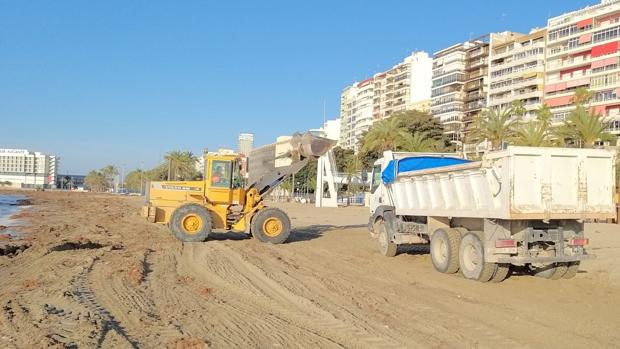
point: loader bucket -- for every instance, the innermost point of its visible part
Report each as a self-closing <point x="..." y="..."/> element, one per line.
<point x="310" y="145"/>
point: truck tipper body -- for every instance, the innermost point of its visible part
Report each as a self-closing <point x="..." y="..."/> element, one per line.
<point x="522" y="206"/>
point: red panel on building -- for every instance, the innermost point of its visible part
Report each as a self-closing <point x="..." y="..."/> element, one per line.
<point x="364" y="83"/>
<point x="558" y="101"/>
<point x="605" y="49"/>
<point x="571" y="70"/>
<point x="585" y="38"/>
<point x="584" y="23"/>
<point x="605" y="62"/>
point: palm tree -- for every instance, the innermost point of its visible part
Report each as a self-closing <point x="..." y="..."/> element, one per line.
<point x="181" y="165"/>
<point x="532" y="134"/>
<point x="583" y="128"/>
<point x="544" y="114"/>
<point x="420" y="142"/>
<point x="495" y="126"/>
<point x="517" y="108"/>
<point x="351" y="169"/>
<point x="388" y="134"/>
<point x="582" y="96"/>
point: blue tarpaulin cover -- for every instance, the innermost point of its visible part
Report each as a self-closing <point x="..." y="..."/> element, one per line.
<point x="417" y="163"/>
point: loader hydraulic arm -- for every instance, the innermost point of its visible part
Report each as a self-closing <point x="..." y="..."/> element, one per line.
<point x="269" y="181"/>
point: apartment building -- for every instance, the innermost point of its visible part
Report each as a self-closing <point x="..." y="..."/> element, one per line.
<point x="461" y="82"/>
<point x="476" y="80"/>
<point x="582" y="51"/>
<point x="517" y="70"/>
<point x="447" y="94"/>
<point x="404" y="87"/>
<point x="26" y="169"/>
<point x="356" y="105"/>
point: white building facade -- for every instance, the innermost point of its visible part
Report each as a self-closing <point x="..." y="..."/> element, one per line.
<point x="25" y="169"/>
<point x="355" y="112"/>
<point x="246" y="143"/>
<point x="405" y="86"/>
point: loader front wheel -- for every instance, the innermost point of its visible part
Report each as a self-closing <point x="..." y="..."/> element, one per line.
<point x="271" y="225"/>
<point x="191" y="223"/>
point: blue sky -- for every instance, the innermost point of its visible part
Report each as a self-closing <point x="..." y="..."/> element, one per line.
<point x="123" y="82"/>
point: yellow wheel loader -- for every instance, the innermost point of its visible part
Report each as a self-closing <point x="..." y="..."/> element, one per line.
<point x="192" y="209"/>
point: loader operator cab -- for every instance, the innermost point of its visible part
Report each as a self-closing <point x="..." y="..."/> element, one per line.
<point x="226" y="173"/>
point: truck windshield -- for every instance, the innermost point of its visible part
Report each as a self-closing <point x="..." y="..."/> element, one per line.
<point x="220" y="174"/>
<point x="376" y="178"/>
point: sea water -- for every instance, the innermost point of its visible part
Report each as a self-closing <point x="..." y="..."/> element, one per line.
<point x="8" y="207"/>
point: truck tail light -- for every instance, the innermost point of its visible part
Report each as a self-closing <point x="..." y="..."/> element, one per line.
<point x="504" y="243"/>
<point x="578" y="242"/>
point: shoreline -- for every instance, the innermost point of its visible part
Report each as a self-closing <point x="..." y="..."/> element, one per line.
<point x="16" y="207"/>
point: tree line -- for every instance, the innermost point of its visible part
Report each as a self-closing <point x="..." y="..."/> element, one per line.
<point x="177" y="166"/>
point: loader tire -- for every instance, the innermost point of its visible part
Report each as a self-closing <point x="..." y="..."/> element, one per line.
<point x="191" y="223"/>
<point x="501" y="273"/>
<point x="571" y="272"/>
<point x="471" y="258"/>
<point x="271" y="225"/>
<point x="445" y="250"/>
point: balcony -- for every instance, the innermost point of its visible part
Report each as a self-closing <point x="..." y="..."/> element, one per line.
<point x="472" y="106"/>
<point x="474" y="96"/>
<point x="473" y="85"/>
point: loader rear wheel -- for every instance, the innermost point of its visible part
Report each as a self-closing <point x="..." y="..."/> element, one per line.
<point x="445" y="250"/>
<point x="386" y="247"/>
<point x="271" y="225"/>
<point x="571" y="272"/>
<point x="191" y="223"/>
<point x="471" y="258"/>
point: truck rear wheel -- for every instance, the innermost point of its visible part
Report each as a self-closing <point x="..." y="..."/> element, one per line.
<point x="271" y="225"/>
<point x="573" y="268"/>
<point x="386" y="247"/>
<point x="445" y="250"/>
<point x="553" y="271"/>
<point x="471" y="259"/>
<point x="191" y="223"/>
<point x="501" y="273"/>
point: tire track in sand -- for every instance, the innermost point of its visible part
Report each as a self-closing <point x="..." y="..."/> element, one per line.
<point x="232" y="275"/>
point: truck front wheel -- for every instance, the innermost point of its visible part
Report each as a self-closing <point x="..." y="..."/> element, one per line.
<point x="471" y="259"/>
<point x="445" y="250"/>
<point x="386" y="247"/>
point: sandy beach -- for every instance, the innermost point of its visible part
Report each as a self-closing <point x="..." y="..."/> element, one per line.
<point x="96" y="275"/>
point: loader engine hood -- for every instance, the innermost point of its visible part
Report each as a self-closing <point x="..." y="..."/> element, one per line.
<point x="394" y="167"/>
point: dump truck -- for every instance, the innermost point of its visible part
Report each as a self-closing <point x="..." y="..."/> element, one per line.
<point x="222" y="201"/>
<point x="522" y="206"/>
